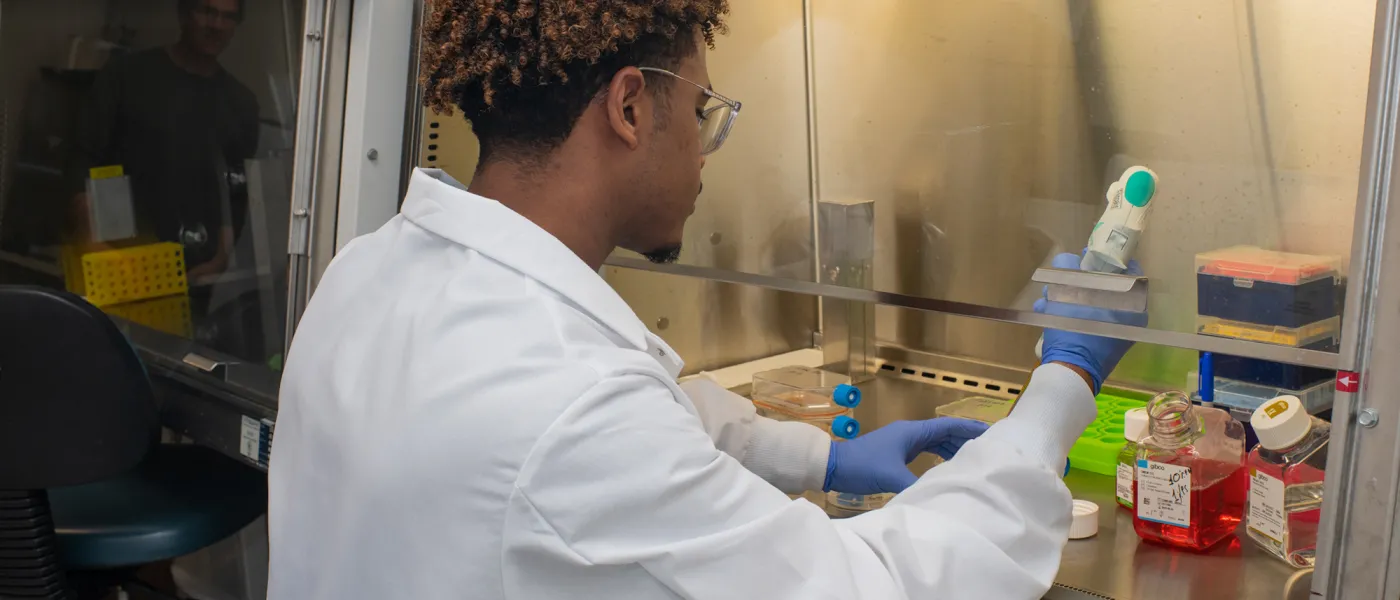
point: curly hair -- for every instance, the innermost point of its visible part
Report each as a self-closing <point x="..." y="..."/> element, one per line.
<point x="524" y="71"/>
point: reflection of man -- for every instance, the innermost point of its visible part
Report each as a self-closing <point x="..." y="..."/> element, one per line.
<point x="177" y="122"/>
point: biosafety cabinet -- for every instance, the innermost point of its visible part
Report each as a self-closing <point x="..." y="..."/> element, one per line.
<point x="900" y="174"/>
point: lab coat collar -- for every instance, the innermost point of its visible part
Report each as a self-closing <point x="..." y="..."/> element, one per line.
<point x="440" y="204"/>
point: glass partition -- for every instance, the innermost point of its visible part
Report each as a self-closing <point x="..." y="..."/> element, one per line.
<point x="146" y="161"/>
<point x="755" y="212"/>
<point x="988" y="134"/>
<point x="987" y="138"/>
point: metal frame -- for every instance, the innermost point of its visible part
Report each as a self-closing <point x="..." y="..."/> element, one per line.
<point x="413" y="111"/>
<point x="323" y="230"/>
<point x="372" y="157"/>
<point x="1359" y="552"/>
<point x="310" y="150"/>
<point x="1297" y="356"/>
<point x="813" y="160"/>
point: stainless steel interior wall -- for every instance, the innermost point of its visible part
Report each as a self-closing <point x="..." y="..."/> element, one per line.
<point x="755" y="214"/>
<point x="712" y="324"/>
<point x="987" y="132"/>
<point x="962" y="122"/>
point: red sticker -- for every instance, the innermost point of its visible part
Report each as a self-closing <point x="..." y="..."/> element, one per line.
<point x="1348" y="382"/>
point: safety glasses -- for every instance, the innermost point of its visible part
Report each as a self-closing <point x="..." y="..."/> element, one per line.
<point x="714" y="121"/>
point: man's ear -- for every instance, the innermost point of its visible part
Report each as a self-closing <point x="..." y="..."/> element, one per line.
<point x="627" y="114"/>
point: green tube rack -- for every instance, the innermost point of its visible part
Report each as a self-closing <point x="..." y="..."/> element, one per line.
<point x="1097" y="450"/>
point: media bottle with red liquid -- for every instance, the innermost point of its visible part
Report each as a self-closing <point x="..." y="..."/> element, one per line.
<point x="1191" y="479"/>
<point x="1285" y="480"/>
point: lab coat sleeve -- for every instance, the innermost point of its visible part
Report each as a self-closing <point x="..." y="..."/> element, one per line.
<point x="792" y="456"/>
<point x="603" y="495"/>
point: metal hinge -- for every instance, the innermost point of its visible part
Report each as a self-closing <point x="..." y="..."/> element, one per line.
<point x="299" y="237"/>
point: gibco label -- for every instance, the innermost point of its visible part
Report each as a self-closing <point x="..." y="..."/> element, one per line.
<point x="1164" y="493"/>
<point x="1266" y="505"/>
<point x="1125" y="483"/>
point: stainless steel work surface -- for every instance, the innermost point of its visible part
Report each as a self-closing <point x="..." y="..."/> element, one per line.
<point x="1115" y="563"/>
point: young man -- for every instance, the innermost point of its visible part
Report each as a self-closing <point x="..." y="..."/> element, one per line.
<point x="177" y="122"/>
<point x="469" y="411"/>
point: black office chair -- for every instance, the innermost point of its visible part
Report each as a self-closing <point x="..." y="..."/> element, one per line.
<point x="85" y="485"/>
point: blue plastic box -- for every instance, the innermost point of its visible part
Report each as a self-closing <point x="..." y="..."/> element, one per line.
<point x="1251" y="285"/>
<point x="1279" y="375"/>
<point x="1245" y="397"/>
<point x="1266" y="303"/>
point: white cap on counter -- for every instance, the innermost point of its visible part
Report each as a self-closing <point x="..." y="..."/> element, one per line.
<point x="1281" y="422"/>
<point x="1086" y="520"/>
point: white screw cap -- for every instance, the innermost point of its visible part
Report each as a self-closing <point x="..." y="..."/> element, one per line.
<point x="1086" y="520"/>
<point x="1281" y="422"/>
<point x="1135" y="425"/>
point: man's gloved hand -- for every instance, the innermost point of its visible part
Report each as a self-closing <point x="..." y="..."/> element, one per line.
<point x="877" y="462"/>
<point x="1096" y="355"/>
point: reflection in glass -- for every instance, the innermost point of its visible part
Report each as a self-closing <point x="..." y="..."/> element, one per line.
<point x="988" y="133"/>
<point x="146" y="163"/>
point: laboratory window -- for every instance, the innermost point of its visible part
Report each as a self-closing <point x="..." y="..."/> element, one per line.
<point x="146" y="161"/>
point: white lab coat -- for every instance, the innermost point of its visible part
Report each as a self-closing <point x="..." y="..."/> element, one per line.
<point x="469" y="411"/>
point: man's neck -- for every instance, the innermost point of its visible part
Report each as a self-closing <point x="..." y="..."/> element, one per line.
<point x="557" y="201"/>
<point x="187" y="59"/>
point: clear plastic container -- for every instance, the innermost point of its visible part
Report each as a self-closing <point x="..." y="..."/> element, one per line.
<point x="1251" y="263"/>
<point x="977" y="408"/>
<point x="1191" y="480"/>
<point x="1285" y="483"/>
<point x="1134" y="430"/>
<point x="1296" y="337"/>
<point x="823" y="399"/>
<point x="809" y="395"/>
<point x="1275" y="374"/>
<point x="1242" y="396"/>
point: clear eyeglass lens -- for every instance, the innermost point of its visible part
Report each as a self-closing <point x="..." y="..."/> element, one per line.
<point x="712" y="127"/>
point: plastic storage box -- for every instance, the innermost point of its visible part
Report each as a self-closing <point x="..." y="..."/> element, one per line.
<point x="1272" y="374"/>
<point x="977" y="408"/>
<point x="1307" y="335"/>
<point x="1250" y="263"/>
<point x="1242" y="398"/>
<point x="1270" y="291"/>
<point x="128" y="274"/>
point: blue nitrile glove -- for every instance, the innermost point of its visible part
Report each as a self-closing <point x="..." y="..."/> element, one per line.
<point x="878" y="462"/>
<point x="1097" y="355"/>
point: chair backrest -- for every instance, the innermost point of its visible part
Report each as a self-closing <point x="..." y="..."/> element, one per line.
<point x="75" y="403"/>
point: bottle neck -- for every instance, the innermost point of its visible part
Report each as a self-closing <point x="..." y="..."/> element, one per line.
<point x="1173" y="420"/>
<point x="1289" y="449"/>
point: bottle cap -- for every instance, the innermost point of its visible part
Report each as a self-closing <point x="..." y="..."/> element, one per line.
<point x="1281" y="422"/>
<point x="846" y="395"/>
<point x="845" y="427"/>
<point x="1135" y="425"/>
<point x="1086" y="520"/>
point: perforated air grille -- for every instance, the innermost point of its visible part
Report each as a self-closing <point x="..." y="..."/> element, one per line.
<point x="988" y="387"/>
